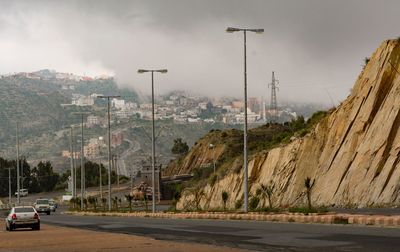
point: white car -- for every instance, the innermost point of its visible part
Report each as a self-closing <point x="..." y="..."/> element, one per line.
<point x="53" y="205"/>
<point x="23" y="217"/>
<point x="42" y="206"/>
<point x="22" y="193"/>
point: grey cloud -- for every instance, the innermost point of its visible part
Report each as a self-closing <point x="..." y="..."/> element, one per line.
<point x="316" y="47"/>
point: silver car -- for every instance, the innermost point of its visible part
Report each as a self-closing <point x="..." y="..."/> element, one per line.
<point x="23" y="217"/>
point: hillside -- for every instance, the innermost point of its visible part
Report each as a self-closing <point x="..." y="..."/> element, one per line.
<point x="353" y="153"/>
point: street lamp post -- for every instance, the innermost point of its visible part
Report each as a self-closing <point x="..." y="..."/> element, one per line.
<point x="245" y="184"/>
<point x="83" y="173"/>
<point x="100" y="176"/>
<point x="153" y="162"/>
<point x="108" y="97"/>
<point x="18" y="174"/>
<point x="212" y="146"/>
<point x="9" y="185"/>
<point x="71" y="148"/>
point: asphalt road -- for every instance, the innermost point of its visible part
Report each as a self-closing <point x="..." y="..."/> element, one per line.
<point x="260" y="236"/>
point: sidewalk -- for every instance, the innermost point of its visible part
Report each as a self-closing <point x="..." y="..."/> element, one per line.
<point x="328" y="218"/>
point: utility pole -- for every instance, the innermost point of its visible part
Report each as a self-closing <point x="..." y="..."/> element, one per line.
<point x="71" y="149"/>
<point x="9" y="186"/>
<point x="212" y="146"/>
<point x="274" y="102"/>
<point x="18" y="175"/>
<point x="117" y="170"/>
<point x="131" y="169"/>
<point x="82" y="114"/>
<point x="100" y="176"/>
<point x="153" y="146"/>
<point x="109" y="145"/>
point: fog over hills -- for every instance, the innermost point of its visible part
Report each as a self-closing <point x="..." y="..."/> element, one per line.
<point x="316" y="52"/>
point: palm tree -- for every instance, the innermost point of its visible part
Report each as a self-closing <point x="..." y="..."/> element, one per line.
<point x="309" y="184"/>
<point x="129" y="198"/>
<point x="266" y="192"/>
<point x="225" y="197"/>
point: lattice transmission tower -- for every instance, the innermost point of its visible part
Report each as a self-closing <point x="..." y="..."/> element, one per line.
<point x="274" y="102"/>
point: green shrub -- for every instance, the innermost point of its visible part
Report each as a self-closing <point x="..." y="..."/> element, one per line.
<point x="213" y="179"/>
<point x="253" y="204"/>
<point x="238" y="204"/>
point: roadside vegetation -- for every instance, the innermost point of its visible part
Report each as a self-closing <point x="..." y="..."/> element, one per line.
<point x="260" y="139"/>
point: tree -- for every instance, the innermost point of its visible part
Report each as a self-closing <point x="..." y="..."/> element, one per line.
<point x="266" y="191"/>
<point x="85" y="203"/>
<point x="115" y="202"/>
<point x="180" y="148"/>
<point x="225" y="197"/>
<point x="253" y="204"/>
<point x="129" y="198"/>
<point x="198" y="193"/>
<point x="309" y="184"/>
<point x="46" y="178"/>
<point x="103" y="202"/>
<point x="93" y="201"/>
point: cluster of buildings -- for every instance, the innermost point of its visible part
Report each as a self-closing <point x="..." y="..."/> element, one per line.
<point x="95" y="147"/>
<point x="188" y="109"/>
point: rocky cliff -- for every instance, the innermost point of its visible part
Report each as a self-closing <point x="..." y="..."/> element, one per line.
<point x="353" y="154"/>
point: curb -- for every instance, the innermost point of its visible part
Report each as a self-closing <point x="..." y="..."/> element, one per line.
<point x="331" y="218"/>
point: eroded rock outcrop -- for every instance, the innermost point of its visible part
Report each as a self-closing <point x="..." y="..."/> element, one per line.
<point x="353" y="154"/>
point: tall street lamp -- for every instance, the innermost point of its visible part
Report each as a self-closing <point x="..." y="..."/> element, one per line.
<point x="83" y="173"/>
<point x="18" y="172"/>
<point x="245" y="184"/>
<point x="108" y="97"/>
<point x="212" y="146"/>
<point x="153" y="162"/>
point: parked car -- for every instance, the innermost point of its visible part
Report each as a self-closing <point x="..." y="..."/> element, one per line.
<point x="42" y="206"/>
<point x="22" y="217"/>
<point x="22" y="193"/>
<point x="53" y="205"/>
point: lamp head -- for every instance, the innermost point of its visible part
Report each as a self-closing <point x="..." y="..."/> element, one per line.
<point x="258" y="31"/>
<point x="231" y="29"/>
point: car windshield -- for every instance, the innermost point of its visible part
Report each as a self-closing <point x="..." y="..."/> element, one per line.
<point x="24" y="210"/>
<point x="42" y="201"/>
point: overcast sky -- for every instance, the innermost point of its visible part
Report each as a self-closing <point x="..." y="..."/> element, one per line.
<point x="315" y="47"/>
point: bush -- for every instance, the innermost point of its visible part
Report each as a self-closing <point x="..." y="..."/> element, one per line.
<point x="213" y="179"/>
<point x="238" y="204"/>
<point x="224" y="197"/>
<point x="253" y="204"/>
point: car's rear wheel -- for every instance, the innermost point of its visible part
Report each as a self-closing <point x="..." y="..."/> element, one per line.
<point x="10" y="228"/>
<point x="48" y="213"/>
<point x="36" y="227"/>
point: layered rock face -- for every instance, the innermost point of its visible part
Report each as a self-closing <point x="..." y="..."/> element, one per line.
<point x="353" y="154"/>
